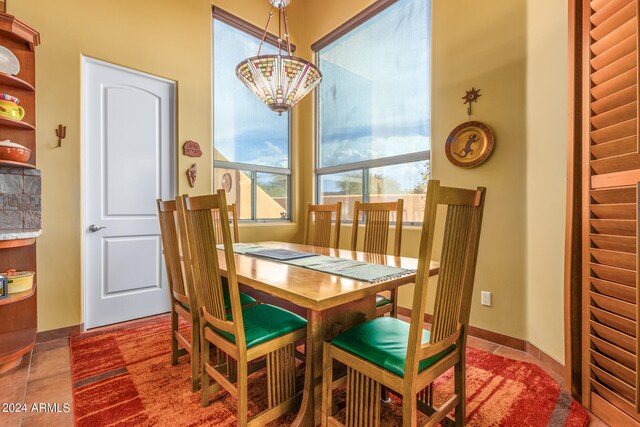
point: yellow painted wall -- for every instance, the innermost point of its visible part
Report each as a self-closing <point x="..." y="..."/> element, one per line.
<point x="168" y="38"/>
<point x="547" y="91"/>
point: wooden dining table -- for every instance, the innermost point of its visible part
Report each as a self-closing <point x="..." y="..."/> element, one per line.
<point x="332" y="303"/>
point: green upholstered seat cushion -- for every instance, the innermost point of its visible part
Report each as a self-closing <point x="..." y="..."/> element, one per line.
<point x="244" y="300"/>
<point x="382" y="300"/>
<point x="265" y="322"/>
<point x="383" y="342"/>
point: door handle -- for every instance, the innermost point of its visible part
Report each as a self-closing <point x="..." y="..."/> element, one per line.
<point x="93" y="228"/>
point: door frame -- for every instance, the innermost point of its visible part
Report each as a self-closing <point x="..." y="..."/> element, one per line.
<point x="85" y="61"/>
<point x="576" y="180"/>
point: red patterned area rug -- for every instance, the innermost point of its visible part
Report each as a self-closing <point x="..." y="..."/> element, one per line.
<point x="123" y="377"/>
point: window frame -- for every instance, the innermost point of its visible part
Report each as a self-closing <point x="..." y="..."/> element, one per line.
<point x="355" y="22"/>
<point x="256" y="32"/>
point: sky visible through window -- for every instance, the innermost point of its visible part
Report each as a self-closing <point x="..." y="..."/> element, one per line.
<point x="374" y="97"/>
<point x="245" y="130"/>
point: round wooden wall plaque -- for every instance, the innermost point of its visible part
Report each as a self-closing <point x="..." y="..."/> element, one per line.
<point x="469" y="144"/>
<point x="227" y="182"/>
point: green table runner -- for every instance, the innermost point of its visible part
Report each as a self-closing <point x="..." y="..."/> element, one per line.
<point x="358" y="270"/>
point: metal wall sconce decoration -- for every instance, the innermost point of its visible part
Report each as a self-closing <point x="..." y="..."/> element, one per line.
<point x="470" y="97"/>
<point x="61" y="133"/>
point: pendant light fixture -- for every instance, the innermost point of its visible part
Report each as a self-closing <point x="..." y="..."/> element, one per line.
<point x="279" y="80"/>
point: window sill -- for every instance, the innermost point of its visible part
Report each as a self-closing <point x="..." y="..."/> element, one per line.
<point x="405" y="225"/>
<point x="286" y="223"/>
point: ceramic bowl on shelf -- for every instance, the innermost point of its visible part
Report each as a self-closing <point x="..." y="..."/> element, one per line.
<point x="14" y="152"/>
<point x="10" y="98"/>
<point x="9" y="107"/>
<point x="19" y="281"/>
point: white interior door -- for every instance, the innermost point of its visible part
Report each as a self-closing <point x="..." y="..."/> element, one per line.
<point x="128" y="163"/>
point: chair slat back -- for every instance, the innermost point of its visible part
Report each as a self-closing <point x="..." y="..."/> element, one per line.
<point x="187" y="260"/>
<point x="233" y="210"/>
<point x="457" y="265"/>
<point x="323" y="215"/>
<point x="201" y="232"/>
<point x="167" y="216"/>
<point x="455" y="251"/>
<point x="378" y="217"/>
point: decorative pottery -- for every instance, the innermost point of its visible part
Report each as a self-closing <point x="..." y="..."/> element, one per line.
<point x="192" y="149"/>
<point x="19" y="281"/>
<point x="192" y="174"/>
<point x="227" y="182"/>
<point x="9" y="107"/>
<point x="8" y="62"/>
<point x="469" y="144"/>
<point x="14" y="152"/>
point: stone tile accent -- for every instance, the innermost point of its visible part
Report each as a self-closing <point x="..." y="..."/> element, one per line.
<point x="10" y="220"/>
<point x="18" y="202"/>
<point x="31" y="220"/>
<point x="10" y="183"/>
<point x="32" y="185"/>
<point x="36" y="202"/>
<point x="20" y="199"/>
<point x="10" y="170"/>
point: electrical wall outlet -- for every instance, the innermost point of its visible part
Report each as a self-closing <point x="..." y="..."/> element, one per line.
<point x="485" y="298"/>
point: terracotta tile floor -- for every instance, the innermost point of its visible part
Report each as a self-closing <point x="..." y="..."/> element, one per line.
<point x="44" y="376"/>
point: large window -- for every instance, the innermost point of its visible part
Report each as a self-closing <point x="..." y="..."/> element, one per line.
<point x="374" y="111"/>
<point x="250" y="142"/>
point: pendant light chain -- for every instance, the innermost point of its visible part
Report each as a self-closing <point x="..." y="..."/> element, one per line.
<point x="266" y="30"/>
<point x="286" y="31"/>
<point x="279" y="80"/>
<point x="279" y="31"/>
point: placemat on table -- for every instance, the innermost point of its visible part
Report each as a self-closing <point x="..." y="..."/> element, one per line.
<point x="353" y="269"/>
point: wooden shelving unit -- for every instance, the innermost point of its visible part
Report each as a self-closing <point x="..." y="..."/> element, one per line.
<point x="18" y="312"/>
<point x="17" y="243"/>
<point x="19" y="296"/>
<point x="15" y="344"/>
<point x="12" y="81"/>
<point x="16" y="124"/>
<point x="13" y="164"/>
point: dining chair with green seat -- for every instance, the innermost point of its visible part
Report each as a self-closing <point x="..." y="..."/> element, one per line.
<point x="233" y="210"/>
<point x="180" y="280"/>
<point x="182" y="298"/>
<point x="377" y="222"/>
<point x="322" y="217"/>
<point x="403" y="357"/>
<point x="245" y="335"/>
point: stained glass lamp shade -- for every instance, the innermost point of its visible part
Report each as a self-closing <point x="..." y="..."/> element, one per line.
<point x="280" y="81"/>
